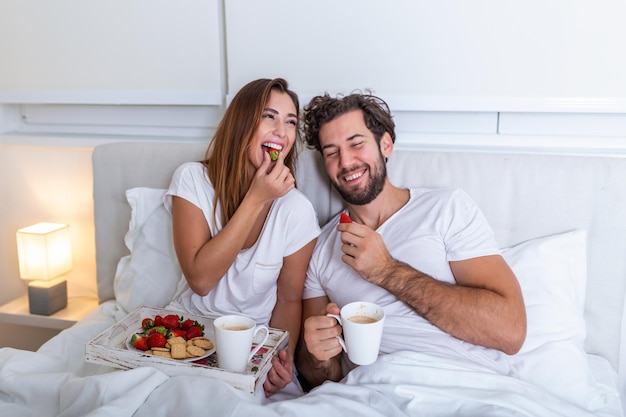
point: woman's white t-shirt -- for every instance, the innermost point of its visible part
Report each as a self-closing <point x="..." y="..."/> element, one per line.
<point x="250" y="284"/>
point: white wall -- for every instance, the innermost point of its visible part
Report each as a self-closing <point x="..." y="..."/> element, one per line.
<point x="40" y="183"/>
<point x="533" y="76"/>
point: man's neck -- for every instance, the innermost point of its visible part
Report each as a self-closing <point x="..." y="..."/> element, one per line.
<point x="374" y="214"/>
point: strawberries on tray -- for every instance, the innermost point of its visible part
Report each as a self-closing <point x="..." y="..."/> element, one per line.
<point x="157" y="339"/>
<point x="157" y="331"/>
<point x="140" y="342"/>
<point x="193" y="332"/>
<point x="171" y="321"/>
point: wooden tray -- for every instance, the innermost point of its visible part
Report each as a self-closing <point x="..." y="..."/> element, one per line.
<point x="109" y="348"/>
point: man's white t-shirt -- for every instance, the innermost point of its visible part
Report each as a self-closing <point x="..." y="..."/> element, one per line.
<point x="249" y="287"/>
<point x="436" y="226"/>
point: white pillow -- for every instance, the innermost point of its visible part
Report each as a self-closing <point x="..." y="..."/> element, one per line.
<point x="552" y="272"/>
<point x="149" y="275"/>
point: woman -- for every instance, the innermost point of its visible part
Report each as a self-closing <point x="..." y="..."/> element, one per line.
<point x="243" y="234"/>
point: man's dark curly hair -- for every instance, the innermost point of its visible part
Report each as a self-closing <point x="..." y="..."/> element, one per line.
<point x="323" y="109"/>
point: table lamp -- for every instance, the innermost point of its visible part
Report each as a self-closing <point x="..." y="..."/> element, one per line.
<point x="44" y="251"/>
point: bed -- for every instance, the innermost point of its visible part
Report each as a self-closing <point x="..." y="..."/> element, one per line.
<point x="559" y="220"/>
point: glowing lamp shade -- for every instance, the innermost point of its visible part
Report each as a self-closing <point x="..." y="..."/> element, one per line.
<point x="44" y="252"/>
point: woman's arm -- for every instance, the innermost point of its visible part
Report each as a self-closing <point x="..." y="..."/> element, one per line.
<point x="205" y="259"/>
<point x="287" y="315"/>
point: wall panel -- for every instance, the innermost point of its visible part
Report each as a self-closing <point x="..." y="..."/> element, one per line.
<point x="484" y="55"/>
<point x="111" y="52"/>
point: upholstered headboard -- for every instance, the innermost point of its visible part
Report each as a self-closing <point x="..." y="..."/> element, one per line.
<point x="524" y="196"/>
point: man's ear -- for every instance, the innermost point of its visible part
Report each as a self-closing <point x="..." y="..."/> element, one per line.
<point x="386" y="145"/>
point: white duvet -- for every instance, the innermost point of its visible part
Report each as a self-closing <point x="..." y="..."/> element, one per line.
<point x="56" y="381"/>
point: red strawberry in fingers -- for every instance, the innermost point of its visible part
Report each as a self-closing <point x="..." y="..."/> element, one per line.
<point x="344" y="218"/>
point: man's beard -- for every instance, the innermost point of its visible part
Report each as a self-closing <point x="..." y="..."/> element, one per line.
<point x="378" y="175"/>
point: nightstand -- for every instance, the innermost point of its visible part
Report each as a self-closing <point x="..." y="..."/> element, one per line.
<point x="17" y="312"/>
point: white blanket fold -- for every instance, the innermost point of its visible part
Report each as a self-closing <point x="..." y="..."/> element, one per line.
<point x="56" y="381"/>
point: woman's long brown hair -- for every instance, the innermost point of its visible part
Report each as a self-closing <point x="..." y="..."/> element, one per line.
<point x="226" y="159"/>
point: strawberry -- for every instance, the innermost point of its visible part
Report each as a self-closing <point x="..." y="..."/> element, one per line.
<point x="273" y="154"/>
<point x="147" y="323"/>
<point x="178" y="333"/>
<point x="140" y="342"/>
<point x="160" y="329"/>
<point x="156" y="340"/>
<point x="158" y="320"/>
<point x="194" y="331"/>
<point x="344" y="218"/>
<point x="171" y="321"/>
<point x="186" y="324"/>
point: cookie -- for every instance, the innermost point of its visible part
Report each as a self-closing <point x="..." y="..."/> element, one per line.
<point x="161" y="354"/>
<point x="195" y="351"/>
<point x="159" y="349"/>
<point x="203" y="342"/>
<point x="176" y="340"/>
<point x="179" y="350"/>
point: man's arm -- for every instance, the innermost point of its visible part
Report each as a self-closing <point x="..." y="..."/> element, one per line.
<point x="485" y="308"/>
<point x="319" y="353"/>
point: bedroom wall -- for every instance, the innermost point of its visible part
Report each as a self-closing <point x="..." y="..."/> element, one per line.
<point x="535" y="77"/>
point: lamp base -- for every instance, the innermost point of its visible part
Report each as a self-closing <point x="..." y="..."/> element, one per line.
<point x="47" y="297"/>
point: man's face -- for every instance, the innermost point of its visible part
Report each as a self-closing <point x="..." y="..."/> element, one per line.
<point x="353" y="159"/>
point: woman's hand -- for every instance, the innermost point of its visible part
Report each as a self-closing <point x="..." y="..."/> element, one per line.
<point x="280" y="375"/>
<point x="272" y="180"/>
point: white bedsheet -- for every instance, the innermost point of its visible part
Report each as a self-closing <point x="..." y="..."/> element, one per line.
<point x="56" y="381"/>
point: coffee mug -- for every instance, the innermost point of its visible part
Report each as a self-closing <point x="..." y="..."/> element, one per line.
<point x="233" y="340"/>
<point x="362" y="324"/>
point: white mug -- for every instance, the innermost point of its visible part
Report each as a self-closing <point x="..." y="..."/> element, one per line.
<point x="362" y="324"/>
<point x="233" y="340"/>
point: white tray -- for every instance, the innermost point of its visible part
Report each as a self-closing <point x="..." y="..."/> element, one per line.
<point x="109" y="348"/>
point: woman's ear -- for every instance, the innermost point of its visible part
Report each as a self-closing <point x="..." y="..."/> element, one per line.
<point x="386" y="145"/>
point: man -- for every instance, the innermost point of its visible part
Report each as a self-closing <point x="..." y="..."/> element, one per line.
<point x="428" y="257"/>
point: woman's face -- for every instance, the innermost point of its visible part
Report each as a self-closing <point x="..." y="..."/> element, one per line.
<point x="277" y="128"/>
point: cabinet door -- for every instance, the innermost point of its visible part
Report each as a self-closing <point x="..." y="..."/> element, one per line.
<point x="111" y="52"/>
<point x="429" y="55"/>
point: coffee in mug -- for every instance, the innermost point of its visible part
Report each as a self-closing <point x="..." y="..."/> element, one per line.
<point x="362" y="319"/>
<point x="236" y="328"/>
<point x="234" y="335"/>
<point x="362" y="324"/>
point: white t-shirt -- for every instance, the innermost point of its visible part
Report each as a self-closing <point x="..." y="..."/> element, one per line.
<point x="249" y="287"/>
<point x="436" y="226"/>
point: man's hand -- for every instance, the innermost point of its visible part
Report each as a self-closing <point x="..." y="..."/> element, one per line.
<point x="365" y="251"/>
<point x="320" y="334"/>
<point x="319" y="357"/>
